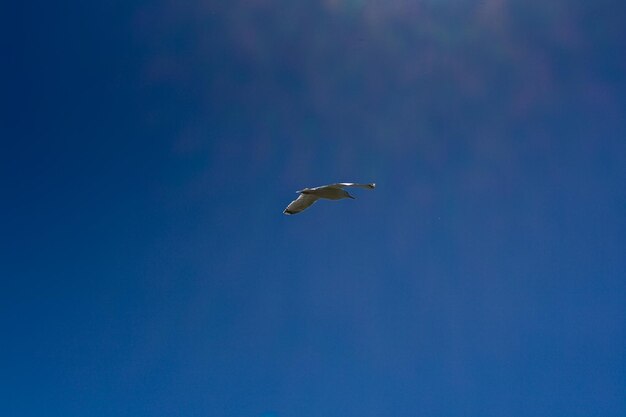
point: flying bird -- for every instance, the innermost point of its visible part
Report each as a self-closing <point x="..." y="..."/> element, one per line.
<point x="308" y="196"/>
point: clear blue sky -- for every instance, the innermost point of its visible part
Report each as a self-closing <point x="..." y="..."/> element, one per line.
<point x="148" y="149"/>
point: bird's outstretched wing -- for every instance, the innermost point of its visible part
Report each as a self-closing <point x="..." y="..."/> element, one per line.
<point x="370" y="186"/>
<point x="302" y="202"/>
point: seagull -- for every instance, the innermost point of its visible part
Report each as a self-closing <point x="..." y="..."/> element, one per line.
<point x="308" y="196"/>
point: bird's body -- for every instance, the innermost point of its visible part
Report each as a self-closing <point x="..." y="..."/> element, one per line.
<point x="329" y="193"/>
<point x="308" y="196"/>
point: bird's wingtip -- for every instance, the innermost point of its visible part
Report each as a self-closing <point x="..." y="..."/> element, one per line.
<point x="287" y="212"/>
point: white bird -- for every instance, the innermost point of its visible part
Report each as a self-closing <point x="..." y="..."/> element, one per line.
<point x="308" y="196"/>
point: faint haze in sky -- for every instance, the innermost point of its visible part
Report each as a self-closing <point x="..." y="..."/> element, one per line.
<point x="149" y="148"/>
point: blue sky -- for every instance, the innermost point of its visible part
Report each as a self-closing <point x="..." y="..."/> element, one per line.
<point x="149" y="148"/>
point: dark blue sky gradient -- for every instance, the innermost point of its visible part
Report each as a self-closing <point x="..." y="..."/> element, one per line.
<point x="149" y="148"/>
